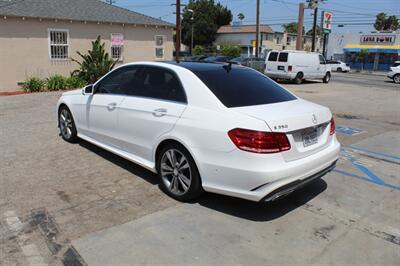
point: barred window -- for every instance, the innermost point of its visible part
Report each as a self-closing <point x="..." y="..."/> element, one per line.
<point x="159" y="39"/>
<point x="116" y="52"/>
<point x="58" y="41"/>
<point x="117" y="44"/>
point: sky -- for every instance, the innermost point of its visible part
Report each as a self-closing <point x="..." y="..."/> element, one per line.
<point x="357" y="15"/>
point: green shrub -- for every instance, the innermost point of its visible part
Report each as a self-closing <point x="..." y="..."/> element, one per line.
<point x="198" y="50"/>
<point x="95" y="63"/>
<point x="34" y="85"/>
<point x="231" y="50"/>
<point x="56" y="83"/>
<point x="75" y="83"/>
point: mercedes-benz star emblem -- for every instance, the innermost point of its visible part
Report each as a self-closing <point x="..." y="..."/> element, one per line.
<point x="314" y="119"/>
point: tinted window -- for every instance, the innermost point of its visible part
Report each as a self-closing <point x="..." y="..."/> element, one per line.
<point x="117" y="82"/>
<point x="158" y="83"/>
<point x="273" y="56"/>
<point x="242" y="87"/>
<point x="321" y="60"/>
<point x="283" y="57"/>
<point x="395" y="64"/>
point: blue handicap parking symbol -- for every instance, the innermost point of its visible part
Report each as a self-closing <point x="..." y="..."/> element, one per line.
<point x="349" y="131"/>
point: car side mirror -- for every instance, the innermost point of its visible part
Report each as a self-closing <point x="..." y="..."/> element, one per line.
<point x="88" y="90"/>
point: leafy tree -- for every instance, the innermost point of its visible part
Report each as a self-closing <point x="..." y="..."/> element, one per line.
<point x="317" y="32"/>
<point x="95" y="64"/>
<point x="240" y="16"/>
<point x="231" y="50"/>
<point x="392" y="23"/>
<point x="208" y="17"/>
<point x="291" y="27"/>
<point x="384" y="23"/>
<point x="380" y="21"/>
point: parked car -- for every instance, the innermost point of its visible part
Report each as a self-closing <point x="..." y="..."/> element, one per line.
<point x="297" y="66"/>
<point x="338" y="66"/>
<point x="218" y="59"/>
<point x="253" y="62"/>
<point x="221" y="128"/>
<point x="394" y="72"/>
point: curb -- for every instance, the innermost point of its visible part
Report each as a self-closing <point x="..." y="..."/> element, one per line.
<point x="12" y="93"/>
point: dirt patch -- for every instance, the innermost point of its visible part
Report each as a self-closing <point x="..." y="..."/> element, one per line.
<point x="324" y="231"/>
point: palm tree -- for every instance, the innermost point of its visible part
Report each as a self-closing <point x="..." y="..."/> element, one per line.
<point x="240" y="17"/>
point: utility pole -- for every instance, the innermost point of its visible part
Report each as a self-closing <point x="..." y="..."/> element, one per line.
<point x="257" y="26"/>
<point x="314" y="31"/>
<point x="300" y="22"/>
<point x="178" y="30"/>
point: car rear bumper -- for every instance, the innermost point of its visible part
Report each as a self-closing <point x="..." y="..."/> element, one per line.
<point x="260" y="177"/>
<point x="297" y="184"/>
<point x="283" y="75"/>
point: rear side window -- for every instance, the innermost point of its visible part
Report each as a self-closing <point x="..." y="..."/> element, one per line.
<point x="273" y="56"/>
<point x="158" y="83"/>
<point x="242" y="87"/>
<point x="283" y="57"/>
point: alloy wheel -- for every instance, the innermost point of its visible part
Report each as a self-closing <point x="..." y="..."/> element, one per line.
<point x="396" y="79"/>
<point x="175" y="172"/>
<point x="65" y="122"/>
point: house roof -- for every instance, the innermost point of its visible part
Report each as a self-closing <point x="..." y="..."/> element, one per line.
<point x="244" y="29"/>
<point x="81" y="10"/>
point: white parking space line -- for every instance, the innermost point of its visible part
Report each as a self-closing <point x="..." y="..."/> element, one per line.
<point x="30" y="251"/>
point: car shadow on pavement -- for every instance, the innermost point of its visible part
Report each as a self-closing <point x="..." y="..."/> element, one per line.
<point x="304" y="82"/>
<point x="245" y="209"/>
<point x="261" y="211"/>
<point x="121" y="162"/>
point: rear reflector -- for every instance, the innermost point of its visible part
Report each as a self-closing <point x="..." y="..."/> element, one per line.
<point x="259" y="141"/>
<point x="289" y="69"/>
<point x="332" y="128"/>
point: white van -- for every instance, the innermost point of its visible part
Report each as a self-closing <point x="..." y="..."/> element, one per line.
<point x="296" y="66"/>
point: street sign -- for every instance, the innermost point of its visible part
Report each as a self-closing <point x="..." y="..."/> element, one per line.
<point x="326" y="22"/>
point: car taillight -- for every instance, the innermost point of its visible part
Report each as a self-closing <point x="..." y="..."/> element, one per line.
<point x="259" y="141"/>
<point x="289" y="69"/>
<point x="332" y="128"/>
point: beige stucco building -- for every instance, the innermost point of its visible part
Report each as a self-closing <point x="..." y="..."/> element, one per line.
<point x="38" y="42"/>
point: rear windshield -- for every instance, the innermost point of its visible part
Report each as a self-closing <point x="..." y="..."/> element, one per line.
<point x="242" y="87"/>
<point x="283" y="57"/>
<point x="273" y="56"/>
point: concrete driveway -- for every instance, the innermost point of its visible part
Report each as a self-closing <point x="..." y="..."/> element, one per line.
<point x="79" y="204"/>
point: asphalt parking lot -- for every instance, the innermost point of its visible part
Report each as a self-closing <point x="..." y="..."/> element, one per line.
<point x="64" y="202"/>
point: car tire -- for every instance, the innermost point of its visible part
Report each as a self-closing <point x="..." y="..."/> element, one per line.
<point x="339" y="69"/>
<point x="179" y="176"/>
<point x="396" y="78"/>
<point x="299" y="78"/>
<point x="327" y="77"/>
<point x="66" y="125"/>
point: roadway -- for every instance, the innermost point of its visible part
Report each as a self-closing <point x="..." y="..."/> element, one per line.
<point x="379" y="81"/>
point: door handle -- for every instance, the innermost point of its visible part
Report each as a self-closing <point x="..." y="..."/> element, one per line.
<point x="111" y="106"/>
<point x="159" y="112"/>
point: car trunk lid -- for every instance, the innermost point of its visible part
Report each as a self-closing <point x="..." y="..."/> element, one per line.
<point x="306" y="124"/>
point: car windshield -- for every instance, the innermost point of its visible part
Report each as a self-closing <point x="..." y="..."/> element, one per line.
<point x="238" y="86"/>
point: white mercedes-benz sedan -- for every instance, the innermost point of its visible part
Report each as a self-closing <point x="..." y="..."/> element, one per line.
<point x="212" y="127"/>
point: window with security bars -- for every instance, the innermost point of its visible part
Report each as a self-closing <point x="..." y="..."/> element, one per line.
<point x="58" y="44"/>
<point x="116" y="52"/>
<point x="159" y="39"/>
